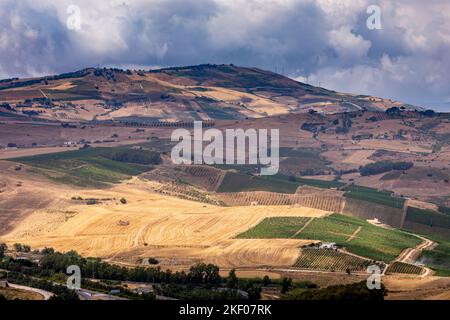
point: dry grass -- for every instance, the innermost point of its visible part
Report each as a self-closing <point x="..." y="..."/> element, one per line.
<point x="13" y="294"/>
<point x="416" y="288"/>
<point x="359" y="157"/>
<point x="64" y="86"/>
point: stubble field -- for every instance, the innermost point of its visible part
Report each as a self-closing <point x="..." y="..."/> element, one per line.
<point x="176" y="232"/>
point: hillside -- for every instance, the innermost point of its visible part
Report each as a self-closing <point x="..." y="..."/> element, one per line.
<point x="201" y="92"/>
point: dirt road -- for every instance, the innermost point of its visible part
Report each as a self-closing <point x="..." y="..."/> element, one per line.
<point x="47" y="295"/>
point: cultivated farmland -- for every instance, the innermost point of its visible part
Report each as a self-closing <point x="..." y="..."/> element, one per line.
<point x="357" y="236"/>
<point x="330" y="260"/>
<point x="93" y="167"/>
<point x="373" y="195"/>
<point x="177" y="232"/>
<point x="280" y="227"/>
<point x="403" y="268"/>
<point x="322" y="202"/>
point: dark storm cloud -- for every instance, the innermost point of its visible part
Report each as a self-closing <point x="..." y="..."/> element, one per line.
<point x="324" y="41"/>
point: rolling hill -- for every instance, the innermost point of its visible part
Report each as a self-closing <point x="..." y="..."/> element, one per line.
<point x="203" y="92"/>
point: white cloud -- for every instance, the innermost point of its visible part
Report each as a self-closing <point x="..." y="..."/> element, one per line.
<point x="348" y="45"/>
<point x="325" y="40"/>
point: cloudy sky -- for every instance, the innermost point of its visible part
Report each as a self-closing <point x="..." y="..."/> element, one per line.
<point x="325" y="42"/>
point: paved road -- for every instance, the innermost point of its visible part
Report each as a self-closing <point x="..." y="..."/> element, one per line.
<point x="93" y="295"/>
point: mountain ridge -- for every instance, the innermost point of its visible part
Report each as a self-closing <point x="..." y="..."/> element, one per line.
<point x="201" y="92"/>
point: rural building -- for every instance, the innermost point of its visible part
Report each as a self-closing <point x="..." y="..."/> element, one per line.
<point x="328" y="246"/>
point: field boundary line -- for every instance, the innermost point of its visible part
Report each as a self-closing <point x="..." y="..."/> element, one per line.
<point x="354" y="234"/>
<point x="303" y="228"/>
<point x="404" y="213"/>
<point x="42" y="92"/>
<point x="219" y="183"/>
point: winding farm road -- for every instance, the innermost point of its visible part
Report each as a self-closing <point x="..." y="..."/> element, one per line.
<point x="410" y="255"/>
<point x="47" y="295"/>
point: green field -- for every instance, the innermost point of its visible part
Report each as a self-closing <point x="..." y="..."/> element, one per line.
<point x="92" y="167"/>
<point x="281" y="227"/>
<point x="236" y="182"/>
<point x="428" y="218"/>
<point x="373" y="242"/>
<point x="239" y="182"/>
<point x="373" y="195"/>
<point x="335" y="228"/>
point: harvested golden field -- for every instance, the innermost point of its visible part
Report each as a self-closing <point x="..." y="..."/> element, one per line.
<point x="177" y="232"/>
<point x="396" y="145"/>
<point x="417" y="288"/>
<point x="18" y="294"/>
<point x="359" y="157"/>
<point x="23" y="192"/>
<point x="64" y="86"/>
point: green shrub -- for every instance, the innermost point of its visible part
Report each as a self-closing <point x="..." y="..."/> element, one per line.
<point x="384" y="166"/>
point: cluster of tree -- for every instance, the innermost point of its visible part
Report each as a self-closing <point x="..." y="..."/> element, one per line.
<point x="136" y="156"/>
<point x="230" y="288"/>
<point x="110" y="73"/>
<point x="384" y="166"/>
<point x="197" y="293"/>
<point x="195" y="68"/>
<point x="8" y="80"/>
<point x="201" y="282"/>
<point x="21" y="247"/>
<point x="52" y="263"/>
<point x="355" y="291"/>
<point x="346" y="124"/>
<point x="68" y="126"/>
<point x="3" y="249"/>
<point x="6" y="106"/>
<point x="394" y="111"/>
<point x="31" y="113"/>
<point x="25" y="83"/>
